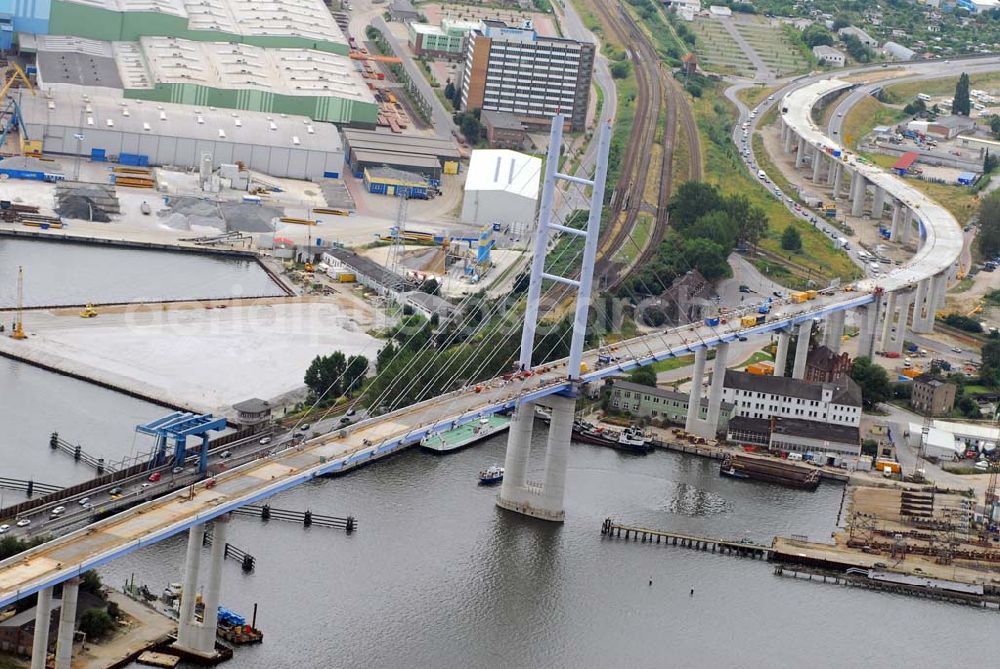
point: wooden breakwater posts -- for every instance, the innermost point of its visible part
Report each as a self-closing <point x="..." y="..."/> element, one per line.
<point x="57" y="443"/>
<point x="740" y="548"/>
<point x="247" y="561"/>
<point x="28" y="486"/>
<point x="305" y="518"/>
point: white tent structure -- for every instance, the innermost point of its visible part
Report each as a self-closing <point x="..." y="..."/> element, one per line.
<point x="501" y="187"/>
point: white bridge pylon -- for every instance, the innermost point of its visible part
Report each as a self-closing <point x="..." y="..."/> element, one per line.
<point x="545" y="499"/>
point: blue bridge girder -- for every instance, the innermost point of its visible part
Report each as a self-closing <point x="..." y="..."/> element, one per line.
<point x="179" y="426"/>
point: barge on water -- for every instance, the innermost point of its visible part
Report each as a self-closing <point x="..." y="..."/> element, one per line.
<point x="465" y="435"/>
<point x="771" y="470"/>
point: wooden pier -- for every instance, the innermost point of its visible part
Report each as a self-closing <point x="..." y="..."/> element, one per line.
<point x="645" y="535"/>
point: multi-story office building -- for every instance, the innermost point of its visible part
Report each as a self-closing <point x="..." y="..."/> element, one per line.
<point x="517" y="70"/>
<point x="837" y="403"/>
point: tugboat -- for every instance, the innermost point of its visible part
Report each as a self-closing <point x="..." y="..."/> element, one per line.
<point x="631" y="440"/>
<point x="490" y="475"/>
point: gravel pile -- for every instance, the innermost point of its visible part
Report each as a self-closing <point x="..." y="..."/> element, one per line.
<point x="86" y="202"/>
<point x="187" y="212"/>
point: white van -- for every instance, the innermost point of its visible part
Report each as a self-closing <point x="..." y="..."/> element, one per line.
<point x="761" y="174"/>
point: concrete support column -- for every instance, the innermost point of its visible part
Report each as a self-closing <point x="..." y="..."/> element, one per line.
<point x="789" y="139"/>
<point x="897" y="222"/>
<point x="552" y="505"/>
<point x="187" y="625"/>
<point x="831" y="171"/>
<point x="43" y="619"/>
<point x="923" y="317"/>
<point x="67" y="623"/>
<point x="800" y="155"/>
<point x="858" y="190"/>
<point x="898" y="334"/>
<point x="838" y="181"/>
<point x="784" y="132"/>
<point x="213" y="588"/>
<point x="935" y="297"/>
<point x="694" y="400"/>
<point x="835" y="330"/>
<point x="781" y="355"/>
<point x="817" y="163"/>
<point x="887" y="322"/>
<point x="711" y="425"/>
<point x="878" y="203"/>
<point x="518" y="447"/>
<point x="906" y="227"/>
<point x="866" y="334"/>
<point x="802" y="350"/>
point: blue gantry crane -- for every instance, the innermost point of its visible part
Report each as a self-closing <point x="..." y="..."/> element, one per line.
<point x="177" y="427"/>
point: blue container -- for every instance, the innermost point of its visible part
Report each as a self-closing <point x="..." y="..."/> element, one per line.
<point x="98" y="155"/>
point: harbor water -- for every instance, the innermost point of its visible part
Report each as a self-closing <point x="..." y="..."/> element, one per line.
<point x="437" y="576"/>
<point x="58" y="273"/>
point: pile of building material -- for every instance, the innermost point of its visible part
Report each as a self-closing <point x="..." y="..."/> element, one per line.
<point x="27" y="214"/>
<point x="86" y="202"/>
<point x="186" y="213"/>
<point x="133" y="177"/>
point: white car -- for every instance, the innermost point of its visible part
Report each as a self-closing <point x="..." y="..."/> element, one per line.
<point x="4" y="528"/>
<point x="23" y="522"/>
<point x="58" y="511"/>
<point x="264" y="441"/>
<point x="83" y="501"/>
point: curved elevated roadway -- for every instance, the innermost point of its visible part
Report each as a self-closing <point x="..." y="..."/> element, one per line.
<point x="67" y="556"/>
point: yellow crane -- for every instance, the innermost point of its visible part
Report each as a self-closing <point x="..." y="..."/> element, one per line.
<point x="12" y="74"/>
<point x="18" y="332"/>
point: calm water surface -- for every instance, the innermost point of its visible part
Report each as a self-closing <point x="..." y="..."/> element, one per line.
<point x="57" y="273"/>
<point x="437" y="576"/>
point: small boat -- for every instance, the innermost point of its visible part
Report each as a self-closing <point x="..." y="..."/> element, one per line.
<point x="732" y="473"/>
<point x="492" y="474"/>
<point x="631" y="439"/>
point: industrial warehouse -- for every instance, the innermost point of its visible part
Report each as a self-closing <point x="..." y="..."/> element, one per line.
<point x="182" y="136"/>
<point x="427" y="156"/>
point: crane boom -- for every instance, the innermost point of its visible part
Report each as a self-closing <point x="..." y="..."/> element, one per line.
<point x="18" y="332"/>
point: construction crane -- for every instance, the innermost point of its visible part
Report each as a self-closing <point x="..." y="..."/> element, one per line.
<point x="18" y="331"/>
<point x="15" y="120"/>
<point x="11" y="75"/>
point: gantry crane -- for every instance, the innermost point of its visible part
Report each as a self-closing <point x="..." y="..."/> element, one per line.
<point x="18" y="331"/>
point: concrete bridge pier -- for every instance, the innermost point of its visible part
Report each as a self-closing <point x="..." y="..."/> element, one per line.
<point x="906" y="227"/>
<point x="878" y="203"/>
<point x="897" y="221"/>
<point x="817" y="163"/>
<point x="43" y="618"/>
<point x="835" y="330"/>
<point x="708" y="426"/>
<point x="545" y="501"/>
<point x="923" y="316"/>
<point x="866" y="334"/>
<point x="800" y="155"/>
<point x="67" y="623"/>
<point x="802" y="350"/>
<point x="858" y="192"/>
<point x="788" y="138"/>
<point x="781" y="354"/>
<point x="888" y="322"/>
<point x="198" y="638"/>
<point x="694" y="399"/>
<point x="838" y="180"/>
<point x="831" y="173"/>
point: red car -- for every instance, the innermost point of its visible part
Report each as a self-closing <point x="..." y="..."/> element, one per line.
<point x="154" y="477"/>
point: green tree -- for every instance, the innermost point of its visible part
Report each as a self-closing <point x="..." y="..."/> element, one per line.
<point x="874" y="382"/>
<point x="791" y="240"/>
<point x="817" y="35"/>
<point x="621" y="69"/>
<point x="90" y="582"/>
<point x="989" y="225"/>
<point x="449" y="91"/>
<point x="960" y="104"/>
<point x="644" y="376"/>
<point x="858" y="51"/>
<point x="386" y="354"/>
<point x="869" y="447"/>
<point x="990" y="163"/>
<point x="995" y="126"/>
<point x="716" y="226"/>
<point x="691" y="201"/>
<point x="915" y="107"/>
<point x="354" y="374"/>
<point x="95" y="623"/>
<point x="707" y="257"/>
<point x="750" y="222"/>
<point x="324" y="377"/>
<point x="989" y="371"/>
<point x="841" y="21"/>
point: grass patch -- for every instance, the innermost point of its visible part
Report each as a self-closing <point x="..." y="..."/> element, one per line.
<point x="753" y="96"/>
<point x="672" y="363"/>
<point x="962" y="286"/>
<point x="758" y="356"/>
<point x="907" y="90"/>
<point x="682" y="156"/>
<point x="866" y="115"/>
<point x="819" y="259"/>
<point x="641" y="234"/>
